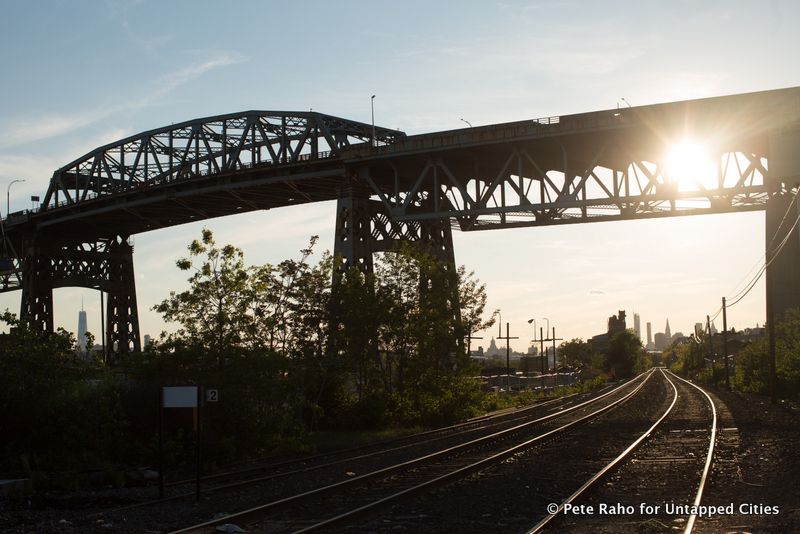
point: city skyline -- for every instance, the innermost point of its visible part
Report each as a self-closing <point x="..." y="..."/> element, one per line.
<point x="481" y="64"/>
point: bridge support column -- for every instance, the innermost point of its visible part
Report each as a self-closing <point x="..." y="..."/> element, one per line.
<point x="439" y="290"/>
<point x="354" y="243"/>
<point x="436" y="238"/>
<point x="106" y="265"/>
<point x="783" y="275"/>
<point x="122" y="315"/>
<point x="364" y="227"/>
<point x="36" y="308"/>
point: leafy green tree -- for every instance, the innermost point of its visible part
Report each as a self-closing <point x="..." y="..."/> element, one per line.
<point x="688" y="358"/>
<point x="212" y="313"/>
<point x="624" y="354"/>
<point x="752" y="369"/>
<point x="576" y="352"/>
<point x="787" y="353"/>
<point x="752" y="363"/>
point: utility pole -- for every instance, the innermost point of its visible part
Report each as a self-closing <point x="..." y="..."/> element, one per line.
<point x="470" y="337"/>
<point x="544" y="356"/>
<point x="372" y="108"/>
<point x="770" y="274"/>
<point x="555" y="373"/>
<point x="725" y="343"/>
<point x="508" y="355"/>
<point x="103" y="328"/>
<point x="541" y="346"/>
<point x="710" y="339"/>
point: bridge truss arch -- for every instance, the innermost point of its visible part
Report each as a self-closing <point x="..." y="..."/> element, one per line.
<point x="207" y="146"/>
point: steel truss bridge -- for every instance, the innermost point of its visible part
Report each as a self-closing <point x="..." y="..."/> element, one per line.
<point x="390" y="187"/>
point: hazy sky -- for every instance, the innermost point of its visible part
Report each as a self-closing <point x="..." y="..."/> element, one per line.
<point x="78" y="74"/>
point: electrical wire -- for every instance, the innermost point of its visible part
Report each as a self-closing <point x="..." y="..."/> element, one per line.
<point x="759" y="262"/>
<point x="742" y="293"/>
<point x="761" y="272"/>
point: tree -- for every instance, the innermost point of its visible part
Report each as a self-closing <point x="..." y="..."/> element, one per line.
<point x="576" y="352"/>
<point x="787" y="353"/>
<point x="213" y="311"/>
<point x="624" y="354"/>
<point x="751" y="373"/>
<point x="688" y="359"/>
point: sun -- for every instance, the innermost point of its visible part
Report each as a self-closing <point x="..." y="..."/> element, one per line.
<point x="689" y="165"/>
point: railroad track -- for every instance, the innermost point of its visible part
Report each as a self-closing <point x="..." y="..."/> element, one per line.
<point x="656" y="482"/>
<point x="344" y="501"/>
<point x="376" y="451"/>
<point x="243" y="488"/>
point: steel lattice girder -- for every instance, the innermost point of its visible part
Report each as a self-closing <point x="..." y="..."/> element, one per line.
<point x="206" y="146"/>
<point x="106" y="265"/>
<point x="519" y="187"/>
<point x="605" y="165"/>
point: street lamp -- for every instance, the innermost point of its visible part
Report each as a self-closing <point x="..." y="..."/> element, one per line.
<point x="626" y="102"/>
<point x="466" y="121"/>
<point x="372" y="106"/>
<point x="8" y="195"/>
<point x="534" y="328"/>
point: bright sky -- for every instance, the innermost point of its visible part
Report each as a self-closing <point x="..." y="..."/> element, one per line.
<point x="79" y="74"/>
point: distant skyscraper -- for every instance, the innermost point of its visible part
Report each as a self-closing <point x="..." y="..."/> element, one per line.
<point x="492" y="350"/>
<point x="649" y="336"/>
<point x="637" y="326"/>
<point x="667" y="332"/>
<point x="698" y="329"/>
<point x="82" y="330"/>
<point x="147" y="340"/>
<point x="662" y="342"/>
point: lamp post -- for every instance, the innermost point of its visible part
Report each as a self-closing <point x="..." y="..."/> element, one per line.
<point x="534" y="328"/>
<point x="8" y="195"/>
<point x="500" y="322"/>
<point x="467" y="122"/>
<point x="372" y="106"/>
<point x="626" y="102"/>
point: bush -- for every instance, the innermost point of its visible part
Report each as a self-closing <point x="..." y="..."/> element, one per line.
<point x="752" y="369"/>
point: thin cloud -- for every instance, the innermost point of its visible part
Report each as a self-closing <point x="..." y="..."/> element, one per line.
<point x="24" y="130"/>
<point x="596" y="293"/>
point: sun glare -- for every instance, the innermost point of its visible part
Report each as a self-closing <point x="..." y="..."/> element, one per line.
<point x="689" y="165"/>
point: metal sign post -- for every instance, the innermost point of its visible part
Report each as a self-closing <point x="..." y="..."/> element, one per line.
<point x="179" y="397"/>
<point x="161" y="443"/>
<point x="198" y="432"/>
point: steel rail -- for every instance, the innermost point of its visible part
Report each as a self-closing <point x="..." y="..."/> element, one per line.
<point x="613" y="463"/>
<point x="505" y="416"/>
<point x="258" y="511"/>
<point x="465" y="470"/>
<point x="709" y="456"/>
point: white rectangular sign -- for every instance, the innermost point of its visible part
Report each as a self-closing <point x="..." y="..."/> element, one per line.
<point x="180" y="397"/>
